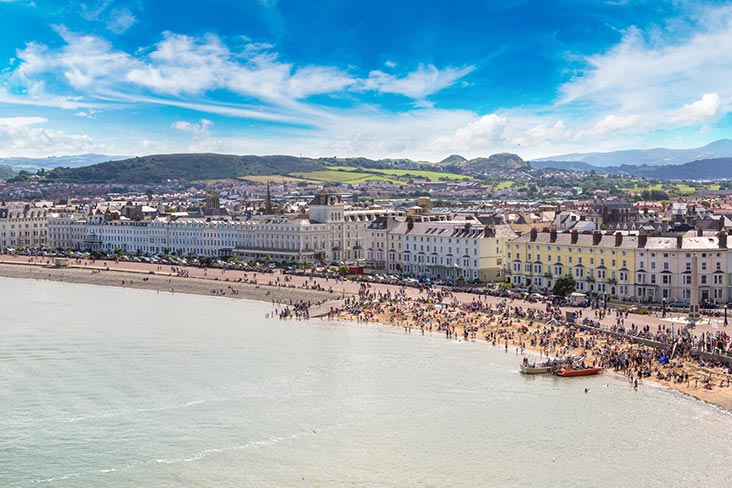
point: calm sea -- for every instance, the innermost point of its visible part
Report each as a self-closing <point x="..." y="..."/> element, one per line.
<point x="107" y="387"/>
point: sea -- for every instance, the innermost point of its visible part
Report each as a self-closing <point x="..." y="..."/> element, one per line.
<point x="113" y="387"/>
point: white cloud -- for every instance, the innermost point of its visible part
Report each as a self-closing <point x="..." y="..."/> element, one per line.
<point x="202" y="140"/>
<point x="85" y="62"/>
<point x="487" y="131"/>
<point x="704" y="110"/>
<point x="425" y="81"/>
<point x="198" y="130"/>
<point x="653" y="72"/>
<point x="181" y="65"/>
<point x="87" y="114"/>
<point x="121" y="20"/>
<point x="116" y="20"/>
<point x="20" y="136"/>
<point x="615" y="123"/>
<point x="21" y="121"/>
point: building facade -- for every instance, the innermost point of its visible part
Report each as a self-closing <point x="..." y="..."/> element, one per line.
<point x="23" y="225"/>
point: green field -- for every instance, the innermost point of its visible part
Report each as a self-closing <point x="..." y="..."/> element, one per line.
<point x="344" y="177"/>
<point x="504" y="185"/>
<point x="405" y="173"/>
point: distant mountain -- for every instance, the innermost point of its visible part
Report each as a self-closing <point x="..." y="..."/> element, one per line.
<point x="160" y="167"/>
<point x="651" y="157"/>
<point x="33" y="164"/>
<point x="705" y="169"/>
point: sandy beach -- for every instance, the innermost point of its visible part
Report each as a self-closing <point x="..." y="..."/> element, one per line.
<point x="167" y="283"/>
<point x="517" y="333"/>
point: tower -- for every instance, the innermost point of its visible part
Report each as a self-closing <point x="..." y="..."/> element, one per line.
<point x="268" y="202"/>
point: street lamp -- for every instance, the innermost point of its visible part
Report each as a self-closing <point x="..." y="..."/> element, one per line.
<point x="663" y="308"/>
<point x="725" y="315"/>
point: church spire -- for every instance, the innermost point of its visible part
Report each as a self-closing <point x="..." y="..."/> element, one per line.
<point x="268" y="203"/>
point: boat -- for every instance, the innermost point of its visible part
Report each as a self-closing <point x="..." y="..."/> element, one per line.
<point x="528" y="367"/>
<point x="535" y="368"/>
<point x="567" y="371"/>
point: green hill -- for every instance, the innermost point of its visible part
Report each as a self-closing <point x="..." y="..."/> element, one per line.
<point x="497" y="162"/>
<point x="160" y="167"/>
<point x="192" y="167"/>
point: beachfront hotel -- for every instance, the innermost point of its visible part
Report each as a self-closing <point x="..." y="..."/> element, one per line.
<point x="329" y="232"/>
<point x="638" y="268"/>
<point x="23" y="225"/>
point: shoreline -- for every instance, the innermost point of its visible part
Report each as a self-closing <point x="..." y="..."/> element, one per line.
<point x="515" y="335"/>
<point x="504" y="334"/>
<point x="170" y="283"/>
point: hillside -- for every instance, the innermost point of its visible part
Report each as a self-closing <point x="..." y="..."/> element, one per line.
<point x="567" y="165"/>
<point x="191" y="167"/>
<point x="6" y="171"/>
<point x="454" y="159"/>
<point x="496" y="162"/>
<point x="160" y="167"/>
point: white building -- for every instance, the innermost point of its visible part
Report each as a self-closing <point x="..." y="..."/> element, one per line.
<point x="448" y="250"/>
<point x="331" y="233"/>
<point x="66" y="231"/>
<point x="664" y="267"/>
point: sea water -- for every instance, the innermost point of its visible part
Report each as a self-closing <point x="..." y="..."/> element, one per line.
<point x="111" y="387"/>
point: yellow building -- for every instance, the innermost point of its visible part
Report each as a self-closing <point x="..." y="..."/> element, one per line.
<point x="601" y="264"/>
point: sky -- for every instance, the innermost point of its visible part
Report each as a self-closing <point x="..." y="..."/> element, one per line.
<point x="379" y="79"/>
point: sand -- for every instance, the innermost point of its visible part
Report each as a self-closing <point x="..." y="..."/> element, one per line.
<point x="168" y="283"/>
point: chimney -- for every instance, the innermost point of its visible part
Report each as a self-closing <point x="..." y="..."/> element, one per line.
<point x="722" y="236"/>
<point x="618" y="239"/>
<point x="533" y="234"/>
<point x="410" y="224"/>
<point x="679" y="241"/>
<point x="574" y="236"/>
<point x="596" y="237"/>
<point x="700" y="232"/>
<point x="553" y="235"/>
<point x="642" y="240"/>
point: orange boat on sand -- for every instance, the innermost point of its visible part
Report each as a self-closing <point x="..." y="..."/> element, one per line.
<point x="568" y="372"/>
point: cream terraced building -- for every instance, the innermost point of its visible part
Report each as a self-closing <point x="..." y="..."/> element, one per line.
<point x="23" y="225"/>
<point x="330" y="232"/>
<point x="665" y="265"/>
<point x="635" y="268"/>
<point x="446" y="250"/>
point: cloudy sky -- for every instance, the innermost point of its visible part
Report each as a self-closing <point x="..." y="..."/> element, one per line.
<point x="384" y="78"/>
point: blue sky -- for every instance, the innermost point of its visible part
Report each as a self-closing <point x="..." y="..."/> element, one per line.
<point x="378" y="79"/>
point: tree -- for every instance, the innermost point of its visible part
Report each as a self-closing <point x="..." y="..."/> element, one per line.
<point x="564" y="286"/>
